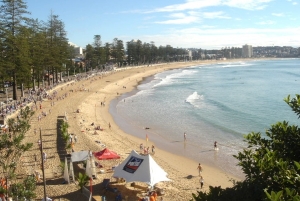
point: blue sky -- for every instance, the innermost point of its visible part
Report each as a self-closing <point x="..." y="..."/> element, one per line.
<point x="206" y="24"/>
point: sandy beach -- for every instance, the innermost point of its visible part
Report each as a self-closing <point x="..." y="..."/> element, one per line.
<point x="87" y="95"/>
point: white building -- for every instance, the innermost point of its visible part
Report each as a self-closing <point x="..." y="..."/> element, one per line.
<point x="247" y="51"/>
<point x="78" y="51"/>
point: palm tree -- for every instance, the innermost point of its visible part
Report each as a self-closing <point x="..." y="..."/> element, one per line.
<point x="82" y="180"/>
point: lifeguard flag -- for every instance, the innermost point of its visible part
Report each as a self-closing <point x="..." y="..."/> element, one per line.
<point x="147" y="137"/>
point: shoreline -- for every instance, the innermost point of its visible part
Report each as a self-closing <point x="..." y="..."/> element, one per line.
<point x="174" y="165"/>
<point x="175" y="144"/>
<point x="87" y="95"/>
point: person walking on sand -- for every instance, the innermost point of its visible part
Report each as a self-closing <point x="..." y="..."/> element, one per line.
<point x="141" y="147"/>
<point x="199" y="169"/>
<point x="39" y="143"/>
<point x="75" y="138"/>
<point x="109" y="125"/>
<point x="215" y="145"/>
<point x="44" y="156"/>
<point x="153" y="149"/>
<point x="184" y="135"/>
<point x="201" y="182"/>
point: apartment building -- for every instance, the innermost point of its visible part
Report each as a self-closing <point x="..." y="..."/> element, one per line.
<point x="247" y="51"/>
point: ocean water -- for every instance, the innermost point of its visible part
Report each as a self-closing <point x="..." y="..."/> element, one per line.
<point x="215" y="102"/>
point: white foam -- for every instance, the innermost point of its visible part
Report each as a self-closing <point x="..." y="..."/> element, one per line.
<point x="194" y="98"/>
<point x="169" y="79"/>
<point x="237" y="65"/>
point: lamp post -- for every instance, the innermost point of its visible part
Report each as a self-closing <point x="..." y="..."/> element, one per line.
<point x="34" y="84"/>
<point x="43" y="168"/>
<point x="6" y="95"/>
<point x="74" y="67"/>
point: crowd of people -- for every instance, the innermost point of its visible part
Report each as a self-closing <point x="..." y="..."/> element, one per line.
<point x="145" y="150"/>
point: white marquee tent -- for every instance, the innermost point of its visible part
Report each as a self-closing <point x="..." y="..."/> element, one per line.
<point x="90" y="169"/>
<point x="77" y="157"/>
<point x="140" y="168"/>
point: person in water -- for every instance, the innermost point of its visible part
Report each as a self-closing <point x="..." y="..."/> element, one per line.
<point x="215" y="145"/>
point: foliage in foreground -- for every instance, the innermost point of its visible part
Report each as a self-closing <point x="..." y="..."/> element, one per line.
<point x="11" y="149"/>
<point x="270" y="164"/>
<point x="82" y="180"/>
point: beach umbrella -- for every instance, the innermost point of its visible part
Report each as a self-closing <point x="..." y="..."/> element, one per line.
<point x="106" y="154"/>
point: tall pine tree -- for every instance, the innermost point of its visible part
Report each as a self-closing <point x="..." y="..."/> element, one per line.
<point x="12" y="21"/>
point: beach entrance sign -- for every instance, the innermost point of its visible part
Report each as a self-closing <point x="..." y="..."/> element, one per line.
<point x="140" y="168"/>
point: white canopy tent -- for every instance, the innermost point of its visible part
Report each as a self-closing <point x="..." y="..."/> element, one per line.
<point x="77" y="157"/>
<point x="140" y="168"/>
<point x="90" y="169"/>
<point x="66" y="171"/>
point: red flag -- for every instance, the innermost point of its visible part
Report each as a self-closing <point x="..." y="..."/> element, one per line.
<point x="147" y="137"/>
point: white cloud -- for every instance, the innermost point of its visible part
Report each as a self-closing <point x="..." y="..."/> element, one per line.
<point x="180" y="19"/>
<point x="213" y="15"/>
<point x="188" y="5"/>
<point x="199" y="4"/>
<point x="294" y="3"/>
<point x="148" y="18"/>
<point x="207" y="26"/>
<point x="267" y="22"/>
<point x="247" y="4"/>
<point x="177" y="15"/>
<point x="218" y="38"/>
<point x="192" y="17"/>
<point x="278" y="14"/>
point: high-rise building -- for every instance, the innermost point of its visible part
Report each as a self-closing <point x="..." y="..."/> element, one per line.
<point x="247" y="51"/>
<point x="78" y="51"/>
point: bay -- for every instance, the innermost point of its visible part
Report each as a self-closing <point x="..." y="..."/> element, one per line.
<point x="215" y="102"/>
